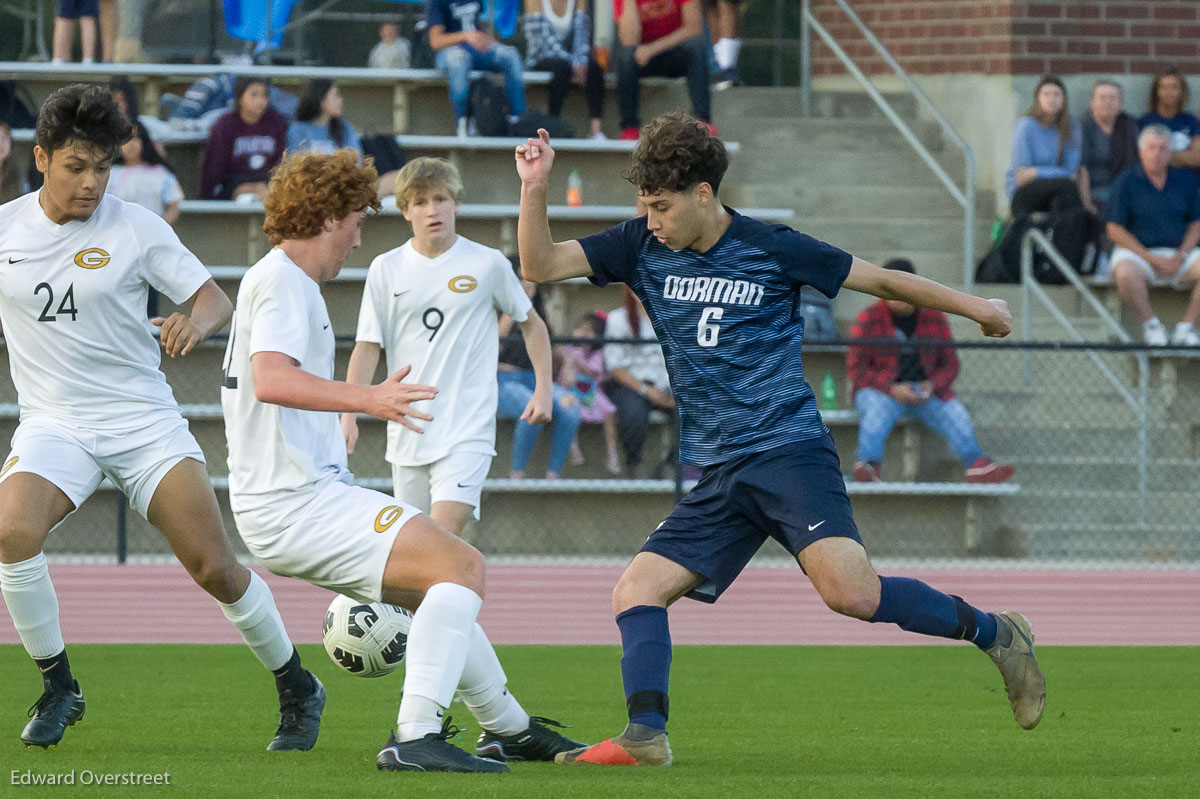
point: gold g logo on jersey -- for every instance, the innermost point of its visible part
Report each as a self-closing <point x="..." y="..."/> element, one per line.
<point x="8" y="464"/>
<point x="92" y="258"/>
<point x="463" y="284"/>
<point x="387" y="517"/>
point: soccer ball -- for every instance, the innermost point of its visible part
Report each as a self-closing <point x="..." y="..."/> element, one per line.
<point x="367" y="639"/>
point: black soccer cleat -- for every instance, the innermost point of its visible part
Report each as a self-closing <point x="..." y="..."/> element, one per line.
<point x="539" y="742"/>
<point x="55" y="710"/>
<point x="299" y="720"/>
<point x="434" y="752"/>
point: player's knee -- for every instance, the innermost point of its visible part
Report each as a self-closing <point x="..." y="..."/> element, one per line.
<point x="469" y="568"/>
<point x="219" y="576"/>
<point x="849" y="599"/>
<point x="18" y="540"/>
<point x="629" y="593"/>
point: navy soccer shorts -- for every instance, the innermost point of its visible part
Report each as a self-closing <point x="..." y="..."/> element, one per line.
<point x="793" y="493"/>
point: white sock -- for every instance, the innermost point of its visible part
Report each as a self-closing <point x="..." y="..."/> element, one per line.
<point x="33" y="605"/>
<point x="484" y="690"/>
<point x="438" y="643"/>
<point x="258" y="620"/>
<point x="726" y="52"/>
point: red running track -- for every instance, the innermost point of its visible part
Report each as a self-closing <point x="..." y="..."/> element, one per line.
<point x="570" y="605"/>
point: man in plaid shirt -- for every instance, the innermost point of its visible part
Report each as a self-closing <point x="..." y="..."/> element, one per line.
<point x="891" y="383"/>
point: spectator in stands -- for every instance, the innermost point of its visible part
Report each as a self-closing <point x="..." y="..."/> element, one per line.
<point x="12" y="178"/>
<point x="1045" y="153"/>
<point x="909" y="381"/>
<point x="638" y="382"/>
<point x="393" y="51"/>
<point x="516" y="380"/>
<point x="660" y="37"/>
<point x="583" y="372"/>
<point x="1168" y="104"/>
<point x="66" y="14"/>
<point x="1108" y="145"/>
<point x="558" y="39"/>
<point x="107" y="20"/>
<point x="211" y="97"/>
<point x="140" y="175"/>
<point x="126" y="98"/>
<point x="243" y="146"/>
<point x="725" y="23"/>
<point x="458" y="38"/>
<point x="1153" y="221"/>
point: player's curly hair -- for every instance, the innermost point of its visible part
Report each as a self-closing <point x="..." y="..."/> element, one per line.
<point x="85" y="114"/>
<point x="425" y="174"/>
<point x="308" y="188"/>
<point x="676" y="152"/>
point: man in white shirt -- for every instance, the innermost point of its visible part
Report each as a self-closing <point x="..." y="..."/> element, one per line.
<point x="75" y="268"/>
<point x="294" y="500"/>
<point x="433" y="303"/>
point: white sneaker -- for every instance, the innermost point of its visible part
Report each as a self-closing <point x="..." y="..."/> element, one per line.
<point x="1185" y="335"/>
<point x="1154" y="334"/>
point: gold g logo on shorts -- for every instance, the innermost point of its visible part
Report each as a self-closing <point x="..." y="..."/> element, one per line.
<point x="463" y="284"/>
<point x="92" y="258"/>
<point x="8" y="464"/>
<point x="387" y="517"/>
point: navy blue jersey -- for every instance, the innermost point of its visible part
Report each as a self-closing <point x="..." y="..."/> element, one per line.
<point x="729" y="328"/>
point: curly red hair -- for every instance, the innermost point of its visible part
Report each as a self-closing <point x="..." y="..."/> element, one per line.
<point x="308" y="188"/>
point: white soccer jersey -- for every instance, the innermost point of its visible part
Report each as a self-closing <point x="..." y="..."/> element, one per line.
<point x="278" y="457"/>
<point x="439" y="316"/>
<point x="73" y="306"/>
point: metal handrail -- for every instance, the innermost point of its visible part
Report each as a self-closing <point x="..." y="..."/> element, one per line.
<point x="965" y="196"/>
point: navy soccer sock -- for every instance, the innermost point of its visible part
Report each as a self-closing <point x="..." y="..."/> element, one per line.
<point x="919" y="608"/>
<point x="645" y="664"/>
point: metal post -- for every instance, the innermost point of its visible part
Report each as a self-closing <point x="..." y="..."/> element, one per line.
<point x="778" y="56"/>
<point x="805" y="60"/>
<point x="1027" y="307"/>
<point x="1144" y="439"/>
<point x="122" y="529"/>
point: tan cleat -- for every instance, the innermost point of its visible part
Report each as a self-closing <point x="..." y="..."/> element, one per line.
<point x="622" y="751"/>
<point x="1023" y="679"/>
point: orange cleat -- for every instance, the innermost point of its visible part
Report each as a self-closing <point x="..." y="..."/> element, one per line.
<point x="622" y="751"/>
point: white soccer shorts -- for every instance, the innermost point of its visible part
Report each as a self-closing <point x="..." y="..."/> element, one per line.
<point x="341" y="540"/>
<point x="76" y="459"/>
<point x="458" y="477"/>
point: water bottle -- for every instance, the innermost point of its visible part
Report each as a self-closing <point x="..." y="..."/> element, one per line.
<point x="828" y="393"/>
<point x="574" y="188"/>
<point x="997" y="229"/>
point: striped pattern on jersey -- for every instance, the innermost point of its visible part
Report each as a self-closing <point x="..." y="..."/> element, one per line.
<point x="729" y="328"/>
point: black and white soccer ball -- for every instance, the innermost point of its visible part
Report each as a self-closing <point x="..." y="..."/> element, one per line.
<point x="367" y="639"/>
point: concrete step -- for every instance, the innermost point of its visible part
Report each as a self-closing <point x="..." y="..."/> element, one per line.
<point x="885" y="234"/>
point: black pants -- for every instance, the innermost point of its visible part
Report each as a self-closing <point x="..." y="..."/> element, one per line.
<point x="1047" y="195"/>
<point x="633" y="422"/>
<point x="560" y="83"/>
<point x="688" y="59"/>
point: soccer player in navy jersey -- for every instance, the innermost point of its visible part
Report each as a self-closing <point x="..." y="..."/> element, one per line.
<point x="721" y="290"/>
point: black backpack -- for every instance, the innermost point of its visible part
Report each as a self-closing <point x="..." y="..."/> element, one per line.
<point x="16" y="105"/>
<point x="1069" y="229"/>
<point x="527" y="126"/>
<point x="487" y="104"/>
<point x="388" y="156"/>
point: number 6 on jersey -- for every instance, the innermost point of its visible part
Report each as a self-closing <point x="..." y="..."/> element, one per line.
<point x="707" y="331"/>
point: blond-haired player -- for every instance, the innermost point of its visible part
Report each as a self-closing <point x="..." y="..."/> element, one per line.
<point x="432" y="303"/>
<point x="293" y="497"/>
<point x="75" y="268"/>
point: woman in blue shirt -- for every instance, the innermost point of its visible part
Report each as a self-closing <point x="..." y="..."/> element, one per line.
<point x="1045" y="154"/>
<point x="319" y="127"/>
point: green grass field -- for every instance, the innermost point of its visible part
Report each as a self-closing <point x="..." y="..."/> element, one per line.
<point x="747" y="722"/>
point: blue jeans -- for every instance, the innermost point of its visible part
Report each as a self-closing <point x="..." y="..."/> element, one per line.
<point x="459" y="60"/>
<point x="516" y="389"/>
<point x="879" y="412"/>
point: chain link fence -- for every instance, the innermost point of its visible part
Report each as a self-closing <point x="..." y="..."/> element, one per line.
<point x="1105" y="440"/>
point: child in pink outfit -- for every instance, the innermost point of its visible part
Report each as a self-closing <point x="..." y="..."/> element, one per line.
<point x="583" y="372"/>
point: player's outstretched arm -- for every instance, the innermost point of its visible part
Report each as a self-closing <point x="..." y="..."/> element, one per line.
<point x="279" y="380"/>
<point x="992" y="316"/>
<point x="363" y="361"/>
<point x="542" y="261"/>
<point x="211" y="311"/>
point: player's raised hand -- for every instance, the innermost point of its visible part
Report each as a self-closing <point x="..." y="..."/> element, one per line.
<point x="394" y="397"/>
<point x="535" y="157"/>
<point x="178" y="334"/>
<point x="998" y="323"/>
<point x="540" y="408"/>
<point x="350" y="431"/>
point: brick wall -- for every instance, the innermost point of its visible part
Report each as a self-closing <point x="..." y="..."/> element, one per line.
<point x="1016" y="37"/>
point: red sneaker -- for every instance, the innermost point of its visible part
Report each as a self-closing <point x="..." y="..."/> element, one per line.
<point x="868" y="472"/>
<point x="630" y="134"/>
<point x="983" y="470"/>
<point x="712" y="129"/>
